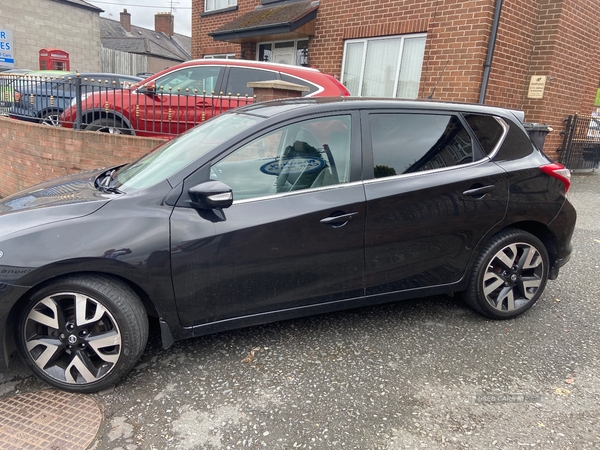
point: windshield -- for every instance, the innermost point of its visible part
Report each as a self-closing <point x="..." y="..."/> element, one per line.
<point x="176" y="154"/>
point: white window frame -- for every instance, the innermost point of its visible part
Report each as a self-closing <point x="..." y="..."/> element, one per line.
<point x="220" y="56"/>
<point x="211" y="5"/>
<point x="365" y="41"/>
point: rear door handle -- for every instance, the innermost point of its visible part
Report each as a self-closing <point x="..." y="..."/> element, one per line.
<point x="338" y="221"/>
<point x="479" y="192"/>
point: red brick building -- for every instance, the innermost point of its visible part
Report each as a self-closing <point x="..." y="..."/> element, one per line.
<point x="545" y="58"/>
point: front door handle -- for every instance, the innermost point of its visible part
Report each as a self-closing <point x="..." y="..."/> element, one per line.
<point x="479" y="192"/>
<point x="338" y="221"/>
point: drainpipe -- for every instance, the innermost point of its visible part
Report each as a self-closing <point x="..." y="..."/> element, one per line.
<point x="490" y="53"/>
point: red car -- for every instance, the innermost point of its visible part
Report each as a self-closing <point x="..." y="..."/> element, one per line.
<point x="174" y="100"/>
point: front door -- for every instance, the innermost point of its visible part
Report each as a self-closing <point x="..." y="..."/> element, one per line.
<point x="181" y="99"/>
<point x="284" y="53"/>
<point x="293" y="237"/>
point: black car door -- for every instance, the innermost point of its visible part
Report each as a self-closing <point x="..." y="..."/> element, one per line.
<point x="294" y="235"/>
<point x="432" y="195"/>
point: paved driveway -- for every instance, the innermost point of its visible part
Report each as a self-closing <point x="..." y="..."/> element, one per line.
<point x="427" y="373"/>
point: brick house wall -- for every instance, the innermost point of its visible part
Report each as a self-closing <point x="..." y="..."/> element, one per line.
<point x="554" y="38"/>
<point x="38" y="24"/>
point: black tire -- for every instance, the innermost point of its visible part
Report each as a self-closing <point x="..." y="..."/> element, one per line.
<point x="112" y="126"/>
<point x="51" y="118"/>
<point x="82" y="333"/>
<point x="509" y="275"/>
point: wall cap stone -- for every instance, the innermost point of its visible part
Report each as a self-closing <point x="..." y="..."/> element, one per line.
<point x="278" y="84"/>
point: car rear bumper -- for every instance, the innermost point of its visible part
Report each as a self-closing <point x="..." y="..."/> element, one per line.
<point x="562" y="227"/>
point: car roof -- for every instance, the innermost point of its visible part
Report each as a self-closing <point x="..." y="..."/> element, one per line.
<point x="49" y="73"/>
<point x="58" y="73"/>
<point x="322" y="104"/>
<point x="247" y="63"/>
<point x="285" y="68"/>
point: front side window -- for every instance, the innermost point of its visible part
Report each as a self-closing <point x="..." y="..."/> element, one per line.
<point x="305" y="155"/>
<point x="384" y="67"/>
<point x="407" y="143"/>
<point x="189" y="80"/>
<point x="178" y="153"/>
<point x="212" y="5"/>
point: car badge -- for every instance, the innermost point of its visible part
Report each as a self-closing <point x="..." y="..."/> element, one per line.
<point x="1" y="253"/>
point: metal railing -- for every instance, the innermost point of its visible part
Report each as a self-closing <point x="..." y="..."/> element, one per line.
<point x="581" y="143"/>
<point x="107" y="105"/>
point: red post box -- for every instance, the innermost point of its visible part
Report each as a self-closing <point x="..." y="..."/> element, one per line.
<point x="54" y="59"/>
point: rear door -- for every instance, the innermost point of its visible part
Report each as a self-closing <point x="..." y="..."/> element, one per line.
<point x="432" y="194"/>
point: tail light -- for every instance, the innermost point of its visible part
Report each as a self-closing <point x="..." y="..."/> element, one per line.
<point x="17" y="96"/>
<point x="559" y="172"/>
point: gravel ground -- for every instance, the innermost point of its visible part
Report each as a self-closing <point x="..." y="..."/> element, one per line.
<point x="427" y="373"/>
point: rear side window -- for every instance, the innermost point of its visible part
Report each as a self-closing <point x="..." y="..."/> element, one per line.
<point x="487" y="130"/>
<point x="406" y="143"/>
<point x="301" y="82"/>
<point x="239" y="77"/>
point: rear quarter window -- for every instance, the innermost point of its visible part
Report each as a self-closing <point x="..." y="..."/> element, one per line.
<point x="516" y="144"/>
<point x="487" y="129"/>
<point x="301" y="82"/>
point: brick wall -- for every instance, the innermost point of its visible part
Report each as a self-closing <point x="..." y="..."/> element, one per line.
<point x="202" y="43"/>
<point x="32" y="153"/>
<point x="38" y="24"/>
<point x="555" y="38"/>
<point x="566" y="50"/>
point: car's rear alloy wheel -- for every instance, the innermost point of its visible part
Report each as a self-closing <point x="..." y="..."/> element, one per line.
<point x="509" y="275"/>
<point x="112" y="126"/>
<point x="83" y="333"/>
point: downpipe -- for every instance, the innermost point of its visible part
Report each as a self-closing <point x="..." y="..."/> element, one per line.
<point x="490" y="53"/>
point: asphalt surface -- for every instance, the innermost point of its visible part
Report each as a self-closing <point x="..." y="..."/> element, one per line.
<point x="426" y="373"/>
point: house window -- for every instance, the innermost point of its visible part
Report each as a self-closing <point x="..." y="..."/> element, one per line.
<point x="213" y="5"/>
<point x="384" y="67"/>
<point x="221" y="56"/>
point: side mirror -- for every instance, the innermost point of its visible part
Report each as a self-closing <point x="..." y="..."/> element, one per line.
<point x="211" y="195"/>
<point x="148" y="88"/>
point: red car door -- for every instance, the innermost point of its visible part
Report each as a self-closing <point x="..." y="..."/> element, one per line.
<point x="175" y="102"/>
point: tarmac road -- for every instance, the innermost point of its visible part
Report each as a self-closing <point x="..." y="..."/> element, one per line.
<point x="427" y="373"/>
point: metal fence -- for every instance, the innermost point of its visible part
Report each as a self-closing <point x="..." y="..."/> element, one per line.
<point x="581" y="144"/>
<point x="104" y="104"/>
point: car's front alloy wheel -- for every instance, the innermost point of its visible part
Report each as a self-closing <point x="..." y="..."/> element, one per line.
<point x="51" y="119"/>
<point x="83" y="333"/>
<point x="509" y="275"/>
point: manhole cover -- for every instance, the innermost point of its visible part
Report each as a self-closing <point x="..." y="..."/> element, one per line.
<point x="53" y="420"/>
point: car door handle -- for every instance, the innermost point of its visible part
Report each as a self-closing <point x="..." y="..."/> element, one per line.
<point x="480" y="191"/>
<point x="338" y="221"/>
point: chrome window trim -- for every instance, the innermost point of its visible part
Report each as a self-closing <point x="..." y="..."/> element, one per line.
<point x="496" y="149"/>
<point x="426" y="172"/>
<point x="294" y="193"/>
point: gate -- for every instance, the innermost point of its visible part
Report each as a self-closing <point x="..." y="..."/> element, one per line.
<point x="581" y="144"/>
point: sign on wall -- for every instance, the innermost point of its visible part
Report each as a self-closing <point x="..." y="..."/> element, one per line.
<point x="7" y="60"/>
<point x="537" y="84"/>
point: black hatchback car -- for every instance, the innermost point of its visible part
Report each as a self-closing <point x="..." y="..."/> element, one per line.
<point x="274" y="211"/>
